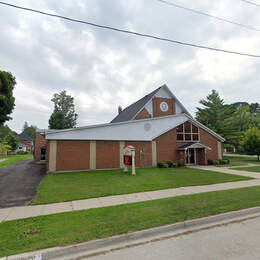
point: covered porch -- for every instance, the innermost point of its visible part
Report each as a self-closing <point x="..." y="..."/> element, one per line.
<point x="193" y="153"/>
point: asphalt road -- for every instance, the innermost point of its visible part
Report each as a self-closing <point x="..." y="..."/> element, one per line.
<point x="19" y="182"/>
<point x="237" y="241"/>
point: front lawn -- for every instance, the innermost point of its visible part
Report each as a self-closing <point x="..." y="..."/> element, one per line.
<point x="74" y="227"/>
<point x="82" y="185"/>
<point x="13" y="159"/>
<point x="250" y="169"/>
<point x="240" y="161"/>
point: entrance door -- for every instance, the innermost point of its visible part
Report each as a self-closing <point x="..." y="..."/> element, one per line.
<point x="191" y="156"/>
<point x="43" y="154"/>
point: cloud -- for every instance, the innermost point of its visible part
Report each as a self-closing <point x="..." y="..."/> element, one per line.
<point x="102" y="69"/>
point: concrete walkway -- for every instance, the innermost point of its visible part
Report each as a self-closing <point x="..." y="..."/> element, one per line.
<point x="7" y="214"/>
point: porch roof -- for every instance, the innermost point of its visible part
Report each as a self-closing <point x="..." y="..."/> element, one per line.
<point x="192" y="145"/>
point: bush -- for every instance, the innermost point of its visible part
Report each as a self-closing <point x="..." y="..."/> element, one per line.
<point x="165" y="165"/>
<point x="160" y="165"/>
<point x="22" y="152"/>
<point x="170" y="164"/>
<point x="210" y="162"/>
<point x="215" y="162"/>
<point x="225" y="161"/>
<point x="174" y="165"/>
<point x="178" y="163"/>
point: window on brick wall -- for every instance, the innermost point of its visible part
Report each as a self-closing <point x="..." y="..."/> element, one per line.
<point x="188" y="132"/>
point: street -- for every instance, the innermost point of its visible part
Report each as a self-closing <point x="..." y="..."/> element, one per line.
<point x="234" y="241"/>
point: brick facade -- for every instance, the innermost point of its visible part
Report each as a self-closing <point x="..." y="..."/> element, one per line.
<point x="156" y="107"/>
<point x="166" y="147"/>
<point x="107" y="154"/>
<point x="142" y="160"/>
<point x="142" y="115"/>
<point x="40" y="142"/>
<point x="72" y="155"/>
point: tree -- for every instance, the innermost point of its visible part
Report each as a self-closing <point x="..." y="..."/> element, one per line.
<point x="12" y="141"/>
<point x="214" y="112"/>
<point x="30" y="131"/>
<point x="63" y="103"/>
<point x="57" y="120"/>
<point x="251" y="142"/>
<point x="5" y="130"/>
<point x="25" y="126"/>
<point x="4" y="148"/>
<point x="7" y="83"/>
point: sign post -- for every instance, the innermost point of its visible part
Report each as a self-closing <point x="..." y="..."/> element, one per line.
<point x="129" y="158"/>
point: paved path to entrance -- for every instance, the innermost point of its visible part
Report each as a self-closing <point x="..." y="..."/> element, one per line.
<point x="7" y="214"/>
<point x="19" y="182"/>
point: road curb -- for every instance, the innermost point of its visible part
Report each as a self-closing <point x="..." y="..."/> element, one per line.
<point x="102" y="246"/>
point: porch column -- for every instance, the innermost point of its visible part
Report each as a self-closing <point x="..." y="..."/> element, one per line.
<point x="121" y="148"/>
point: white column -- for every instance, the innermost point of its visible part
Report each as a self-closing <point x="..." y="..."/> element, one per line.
<point x="154" y="154"/>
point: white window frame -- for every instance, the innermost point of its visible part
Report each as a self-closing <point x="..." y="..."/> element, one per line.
<point x="191" y="133"/>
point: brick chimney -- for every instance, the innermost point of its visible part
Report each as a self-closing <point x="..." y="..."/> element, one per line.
<point x="119" y="109"/>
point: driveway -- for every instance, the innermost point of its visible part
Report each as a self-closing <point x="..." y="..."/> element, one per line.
<point x="19" y="182"/>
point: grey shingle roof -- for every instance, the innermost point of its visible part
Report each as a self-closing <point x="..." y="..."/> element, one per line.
<point x="24" y="136"/>
<point x="129" y="112"/>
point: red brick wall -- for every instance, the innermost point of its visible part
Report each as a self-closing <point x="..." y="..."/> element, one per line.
<point x="166" y="147"/>
<point x="156" y="106"/>
<point x="211" y="141"/>
<point x="72" y="155"/>
<point x="142" y="161"/>
<point x="107" y="154"/>
<point x="29" y="145"/>
<point x="40" y="142"/>
<point x="143" y="114"/>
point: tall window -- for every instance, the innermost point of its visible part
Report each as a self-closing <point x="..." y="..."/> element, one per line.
<point x="188" y="132"/>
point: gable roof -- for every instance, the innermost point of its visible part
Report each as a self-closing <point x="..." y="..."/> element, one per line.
<point x="134" y="130"/>
<point x="24" y="136"/>
<point x="131" y="111"/>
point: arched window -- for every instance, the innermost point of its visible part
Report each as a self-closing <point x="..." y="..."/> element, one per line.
<point x="188" y="132"/>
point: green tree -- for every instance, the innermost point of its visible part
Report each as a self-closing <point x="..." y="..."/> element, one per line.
<point x="7" y="83"/>
<point x="25" y="126"/>
<point x="57" y="120"/>
<point x="5" y="130"/>
<point x="30" y="131"/>
<point x="63" y="103"/>
<point x="214" y="113"/>
<point x="4" y="148"/>
<point x="251" y="142"/>
<point x="12" y="141"/>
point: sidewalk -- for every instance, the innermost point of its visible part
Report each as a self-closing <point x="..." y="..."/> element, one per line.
<point x="13" y="213"/>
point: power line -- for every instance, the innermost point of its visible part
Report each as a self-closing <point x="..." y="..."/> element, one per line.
<point x="131" y="32"/>
<point x="209" y="15"/>
<point x="251" y="3"/>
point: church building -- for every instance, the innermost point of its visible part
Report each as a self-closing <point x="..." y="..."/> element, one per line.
<point x="157" y="125"/>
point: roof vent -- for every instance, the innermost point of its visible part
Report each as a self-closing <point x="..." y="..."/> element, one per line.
<point x="119" y="109"/>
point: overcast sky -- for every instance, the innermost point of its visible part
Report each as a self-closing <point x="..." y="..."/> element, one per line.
<point x="103" y="69"/>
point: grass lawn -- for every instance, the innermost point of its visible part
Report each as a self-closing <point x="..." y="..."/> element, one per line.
<point x="13" y="159"/>
<point x="74" y="227"/>
<point x="82" y="185"/>
<point x="250" y="169"/>
<point x="239" y="161"/>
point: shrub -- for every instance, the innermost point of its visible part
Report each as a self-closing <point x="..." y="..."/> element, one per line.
<point x="225" y="161"/>
<point x="174" y="165"/>
<point x="178" y="163"/>
<point x="165" y="165"/>
<point x="170" y="164"/>
<point x="210" y="162"/>
<point x="160" y="164"/>
<point x="215" y="162"/>
<point x="22" y="152"/>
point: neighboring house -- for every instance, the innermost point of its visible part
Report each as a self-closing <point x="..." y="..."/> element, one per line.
<point x="25" y="143"/>
<point x="157" y="125"/>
